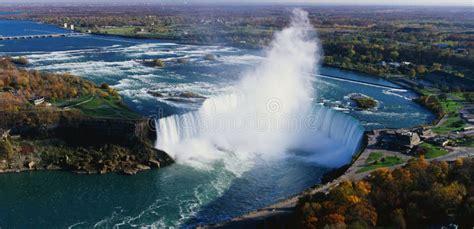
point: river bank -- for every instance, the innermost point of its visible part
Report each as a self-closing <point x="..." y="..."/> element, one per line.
<point x="391" y="148"/>
<point x="178" y="195"/>
<point x="282" y="214"/>
<point x="71" y="124"/>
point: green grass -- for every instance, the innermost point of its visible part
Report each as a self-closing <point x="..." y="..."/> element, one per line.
<point x="453" y="123"/>
<point x="433" y="151"/>
<point x="424" y="91"/>
<point x="106" y="107"/>
<point x="374" y="156"/>
<point x="384" y="162"/>
<point x="70" y="102"/>
<point x="118" y="30"/>
<point x="450" y="107"/>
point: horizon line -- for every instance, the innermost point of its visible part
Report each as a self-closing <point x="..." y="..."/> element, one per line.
<point x="183" y="3"/>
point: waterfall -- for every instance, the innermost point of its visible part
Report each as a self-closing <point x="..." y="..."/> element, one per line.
<point x="269" y="113"/>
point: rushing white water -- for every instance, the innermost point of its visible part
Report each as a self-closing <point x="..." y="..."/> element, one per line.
<point x="269" y="113"/>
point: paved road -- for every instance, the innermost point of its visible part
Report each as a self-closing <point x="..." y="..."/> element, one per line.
<point x="455" y="153"/>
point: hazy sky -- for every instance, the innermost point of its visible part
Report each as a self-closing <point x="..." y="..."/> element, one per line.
<point x="354" y="2"/>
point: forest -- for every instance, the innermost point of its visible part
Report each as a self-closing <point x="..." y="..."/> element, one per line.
<point x="420" y="195"/>
<point x="19" y="87"/>
<point x="379" y="40"/>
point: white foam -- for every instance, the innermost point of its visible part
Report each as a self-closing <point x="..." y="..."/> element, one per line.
<point x="277" y="93"/>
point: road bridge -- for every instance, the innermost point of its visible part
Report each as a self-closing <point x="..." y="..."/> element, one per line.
<point x="51" y="35"/>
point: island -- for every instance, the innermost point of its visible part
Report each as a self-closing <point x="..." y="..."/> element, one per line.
<point x="60" y="121"/>
<point x="154" y="63"/>
<point x="363" y="101"/>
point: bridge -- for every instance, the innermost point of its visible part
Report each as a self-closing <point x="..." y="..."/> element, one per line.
<point x="52" y="35"/>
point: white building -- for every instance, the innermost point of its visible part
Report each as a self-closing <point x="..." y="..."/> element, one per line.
<point x="72" y="27"/>
<point x="65" y="25"/>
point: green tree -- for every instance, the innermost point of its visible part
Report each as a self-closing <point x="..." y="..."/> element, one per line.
<point x="421" y="69"/>
<point x="412" y="73"/>
<point x="394" y="55"/>
<point x="436" y="67"/>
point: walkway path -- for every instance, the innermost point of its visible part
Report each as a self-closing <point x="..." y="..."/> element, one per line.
<point x="80" y="103"/>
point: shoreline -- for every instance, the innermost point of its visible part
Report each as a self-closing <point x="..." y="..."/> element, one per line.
<point x="183" y="42"/>
<point x="104" y="136"/>
<point x="283" y="209"/>
<point x="287" y="202"/>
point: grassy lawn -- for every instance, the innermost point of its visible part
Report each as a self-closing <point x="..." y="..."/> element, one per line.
<point x="433" y="151"/>
<point x="450" y="107"/>
<point x="453" y="123"/>
<point x="374" y="156"/>
<point x="384" y="162"/>
<point x="118" y="30"/>
<point x="106" y="107"/>
<point x="69" y="102"/>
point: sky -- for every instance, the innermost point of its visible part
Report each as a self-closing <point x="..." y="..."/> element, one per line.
<point x="344" y="2"/>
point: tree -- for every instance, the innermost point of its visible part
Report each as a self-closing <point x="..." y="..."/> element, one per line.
<point x="447" y="198"/>
<point x="394" y="55"/>
<point x="398" y="221"/>
<point x="421" y="69"/>
<point x="436" y="67"/>
<point x="466" y="213"/>
<point x="328" y="59"/>
<point x="6" y="148"/>
<point x="104" y="86"/>
<point x="412" y="73"/>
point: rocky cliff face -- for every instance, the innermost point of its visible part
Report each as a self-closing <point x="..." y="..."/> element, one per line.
<point x="94" y="131"/>
<point x="87" y="145"/>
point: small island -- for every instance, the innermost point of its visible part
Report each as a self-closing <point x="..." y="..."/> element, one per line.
<point x="363" y="101"/>
<point x="60" y="121"/>
<point x="154" y="63"/>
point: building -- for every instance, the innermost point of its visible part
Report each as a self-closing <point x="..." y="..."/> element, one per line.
<point x="4" y="133"/>
<point x="441" y="45"/>
<point x="462" y="51"/>
<point x="72" y="27"/>
<point x="37" y="101"/>
<point x="65" y="25"/>
<point x="402" y="140"/>
<point x="439" y="141"/>
<point x="467" y="113"/>
<point x="394" y="64"/>
<point x="424" y="133"/>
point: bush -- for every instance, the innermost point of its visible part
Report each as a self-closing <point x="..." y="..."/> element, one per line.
<point x="159" y="63"/>
<point x="104" y="86"/>
<point x="6" y="149"/>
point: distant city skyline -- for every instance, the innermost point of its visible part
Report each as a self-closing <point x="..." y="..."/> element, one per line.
<point x="341" y="2"/>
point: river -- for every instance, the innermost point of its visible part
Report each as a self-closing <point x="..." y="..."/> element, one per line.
<point x="180" y="195"/>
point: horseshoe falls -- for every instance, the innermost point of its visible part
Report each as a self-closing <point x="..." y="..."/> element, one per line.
<point x="260" y="137"/>
<point x="269" y="114"/>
